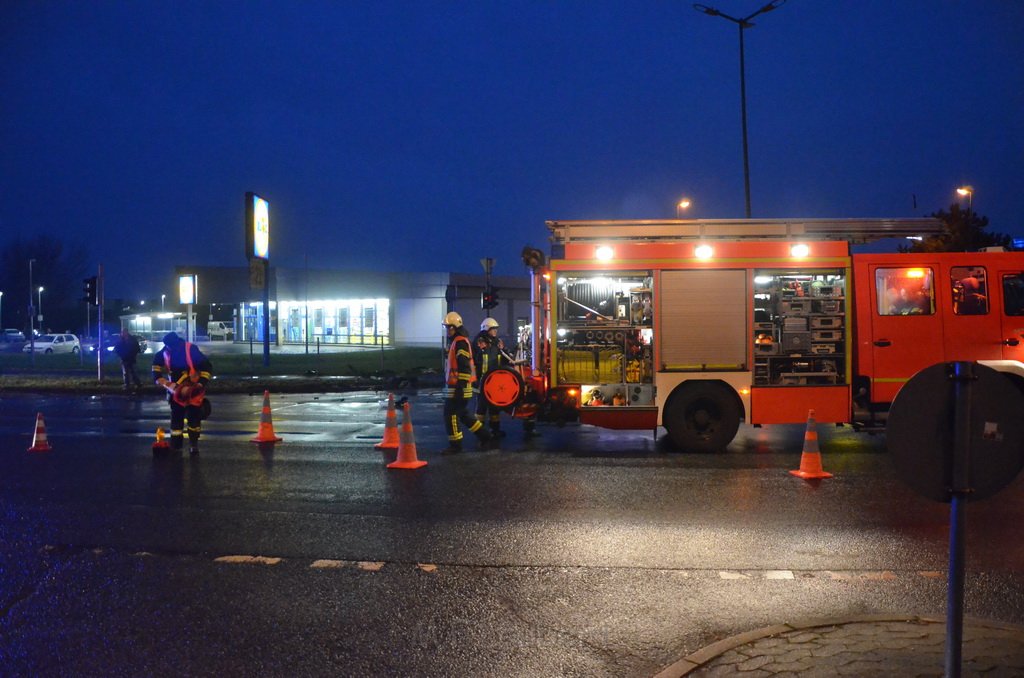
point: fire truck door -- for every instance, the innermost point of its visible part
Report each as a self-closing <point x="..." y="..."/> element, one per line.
<point x="1011" y="310"/>
<point x="906" y="329"/>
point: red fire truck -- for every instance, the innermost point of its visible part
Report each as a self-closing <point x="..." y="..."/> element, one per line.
<point x="697" y="325"/>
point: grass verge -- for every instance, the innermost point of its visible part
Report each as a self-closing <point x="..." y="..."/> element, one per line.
<point x="393" y="368"/>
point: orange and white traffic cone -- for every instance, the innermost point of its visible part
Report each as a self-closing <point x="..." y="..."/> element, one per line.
<point x="39" y="442"/>
<point x="161" y="444"/>
<point x="390" y="440"/>
<point x="406" y="444"/>
<point x="810" y="460"/>
<point x="266" y="434"/>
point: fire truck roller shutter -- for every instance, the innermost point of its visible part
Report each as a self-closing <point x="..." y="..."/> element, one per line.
<point x="702" y="416"/>
<point x="704" y="317"/>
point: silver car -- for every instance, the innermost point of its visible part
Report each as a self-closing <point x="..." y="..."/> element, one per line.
<point x="54" y="343"/>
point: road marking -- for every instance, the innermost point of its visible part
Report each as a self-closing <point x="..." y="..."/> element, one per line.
<point x="722" y="574"/>
<point x="427" y="567"/>
<point x="369" y="566"/>
<point x="259" y="560"/>
<point x="883" y="575"/>
<point x="778" y="574"/>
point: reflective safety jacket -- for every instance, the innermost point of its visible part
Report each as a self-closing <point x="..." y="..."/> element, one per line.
<point x="181" y="361"/>
<point x="459" y="370"/>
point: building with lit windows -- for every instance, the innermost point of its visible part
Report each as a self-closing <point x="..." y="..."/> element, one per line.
<point x="337" y="308"/>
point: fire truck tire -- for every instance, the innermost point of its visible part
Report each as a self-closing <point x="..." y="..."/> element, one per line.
<point x="702" y="417"/>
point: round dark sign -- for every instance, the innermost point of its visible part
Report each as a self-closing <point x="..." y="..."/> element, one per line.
<point x="502" y="388"/>
<point x="920" y="432"/>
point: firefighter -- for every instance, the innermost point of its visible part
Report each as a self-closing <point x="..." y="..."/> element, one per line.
<point x="488" y="354"/>
<point x="183" y="371"/>
<point x="459" y="378"/>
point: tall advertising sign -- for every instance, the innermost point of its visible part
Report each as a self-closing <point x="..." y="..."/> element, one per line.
<point x="188" y="294"/>
<point x="257" y="251"/>
<point x="257" y="227"/>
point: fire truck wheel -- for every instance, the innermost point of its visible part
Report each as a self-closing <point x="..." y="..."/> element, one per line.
<point x="702" y="417"/>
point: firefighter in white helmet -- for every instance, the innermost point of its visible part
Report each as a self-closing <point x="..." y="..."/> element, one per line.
<point x="488" y="354"/>
<point x="460" y="374"/>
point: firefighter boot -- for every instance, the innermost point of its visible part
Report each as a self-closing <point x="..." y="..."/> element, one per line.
<point x="485" y="441"/>
<point x="454" y="447"/>
<point x="193" y="442"/>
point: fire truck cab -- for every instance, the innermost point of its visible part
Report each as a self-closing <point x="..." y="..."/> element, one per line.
<point x="697" y="325"/>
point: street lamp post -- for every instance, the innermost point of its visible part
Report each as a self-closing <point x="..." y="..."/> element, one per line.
<point x="31" y="318"/>
<point x="40" y="311"/>
<point x="162" y="297"/>
<point x="743" y="24"/>
<point x="1" y="310"/>
<point x="969" y="192"/>
<point x="681" y="206"/>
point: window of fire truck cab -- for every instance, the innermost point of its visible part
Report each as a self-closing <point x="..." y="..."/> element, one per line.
<point x="905" y="291"/>
<point x="1013" y="294"/>
<point x="969" y="290"/>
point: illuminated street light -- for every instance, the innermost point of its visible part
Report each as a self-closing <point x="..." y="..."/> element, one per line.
<point x="1" y="309"/>
<point x="969" y="192"/>
<point x="743" y="24"/>
<point x="41" y="288"/>
<point x="682" y="205"/>
<point x="162" y="297"/>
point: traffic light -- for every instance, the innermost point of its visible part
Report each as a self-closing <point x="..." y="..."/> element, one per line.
<point x="90" y="290"/>
<point x="489" y="298"/>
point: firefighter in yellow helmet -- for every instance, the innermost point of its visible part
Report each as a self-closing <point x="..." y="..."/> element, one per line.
<point x="488" y="354"/>
<point x="460" y="374"/>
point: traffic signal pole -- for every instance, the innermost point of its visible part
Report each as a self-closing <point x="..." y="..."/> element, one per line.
<point x="99" y="324"/>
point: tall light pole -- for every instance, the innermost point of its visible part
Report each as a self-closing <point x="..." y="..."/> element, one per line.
<point x="31" y="317"/>
<point x="162" y="297"/>
<point x="969" y="192"/>
<point x="41" y="288"/>
<point x="1" y="310"/>
<point x="682" y="205"/>
<point x="743" y="24"/>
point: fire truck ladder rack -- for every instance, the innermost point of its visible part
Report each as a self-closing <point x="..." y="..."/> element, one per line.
<point x="854" y="231"/>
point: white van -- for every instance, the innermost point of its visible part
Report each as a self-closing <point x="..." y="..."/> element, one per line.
<point x="220" y="330"/>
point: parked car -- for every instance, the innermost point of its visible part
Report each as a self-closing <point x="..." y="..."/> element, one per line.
<point x="221" y="330"/>
<point x="13" y="335"/>
<point x="54" y="343"/>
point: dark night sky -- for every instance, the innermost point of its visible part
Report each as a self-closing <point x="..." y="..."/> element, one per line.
<point x="425" y="135"/>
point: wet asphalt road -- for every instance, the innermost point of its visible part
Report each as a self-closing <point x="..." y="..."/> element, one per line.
<point x="580" y="552"/>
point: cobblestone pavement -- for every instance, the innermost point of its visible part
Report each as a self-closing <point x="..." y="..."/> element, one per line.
<point x="870" y="646"/>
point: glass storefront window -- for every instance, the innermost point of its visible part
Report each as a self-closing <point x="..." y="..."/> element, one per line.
<point x="338" y="321"/>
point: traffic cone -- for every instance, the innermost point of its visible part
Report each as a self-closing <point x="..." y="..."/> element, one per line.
<point x="390" y="440"/>
<point x="39" y="442"/>
<point x="161" y="445"/>
<point x="406" y="444"/>
<point x="266" y="430"/>
<point x="810" y="460"/>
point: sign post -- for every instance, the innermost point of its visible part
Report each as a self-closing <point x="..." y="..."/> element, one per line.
<point x="955" y="433"/>
<point x="257" y="250"/>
